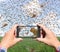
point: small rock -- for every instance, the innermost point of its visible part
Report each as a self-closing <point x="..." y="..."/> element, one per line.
<point x="4" y="24"/>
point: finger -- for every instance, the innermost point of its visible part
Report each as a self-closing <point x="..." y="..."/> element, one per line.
<point x="14" y="28"/>
<point x="18" y="39"/>
<point x="40" y="39"/>
<point x="44" y="40"/>
<point x="15" y="33"/>
<point x="44" y="28"/>
<point x="41" y="36"/>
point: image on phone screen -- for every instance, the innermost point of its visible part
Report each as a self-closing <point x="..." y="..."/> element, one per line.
<point x="28" y="31"/>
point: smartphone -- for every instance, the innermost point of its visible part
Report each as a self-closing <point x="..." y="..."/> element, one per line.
<point x="28" y="31"/>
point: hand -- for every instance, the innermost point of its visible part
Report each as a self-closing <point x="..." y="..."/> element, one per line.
<point x="50" y="37"/>
<point x="10" y="38"/>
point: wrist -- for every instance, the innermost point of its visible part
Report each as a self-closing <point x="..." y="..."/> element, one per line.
<point x="3" y="46"/>
<point x="57" y="44"/>
<point x="3" y="49"/>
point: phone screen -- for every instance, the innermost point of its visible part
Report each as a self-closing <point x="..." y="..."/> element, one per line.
<point x="28" y="31"/>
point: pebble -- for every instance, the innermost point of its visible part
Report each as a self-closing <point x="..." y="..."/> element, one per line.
<point x="4" y="24"/>
<point x="30" y="12"/>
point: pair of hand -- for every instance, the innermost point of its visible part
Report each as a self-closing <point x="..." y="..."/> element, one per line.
<point x="10" y="38"/>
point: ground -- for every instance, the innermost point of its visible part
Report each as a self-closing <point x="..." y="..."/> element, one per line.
<point x="30" y="45"/>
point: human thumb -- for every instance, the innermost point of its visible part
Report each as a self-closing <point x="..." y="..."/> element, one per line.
<point x="40" y="39"/>
<point x="18" y="39"/>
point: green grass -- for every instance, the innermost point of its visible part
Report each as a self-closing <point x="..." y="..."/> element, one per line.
<point x="30" y="45"/>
